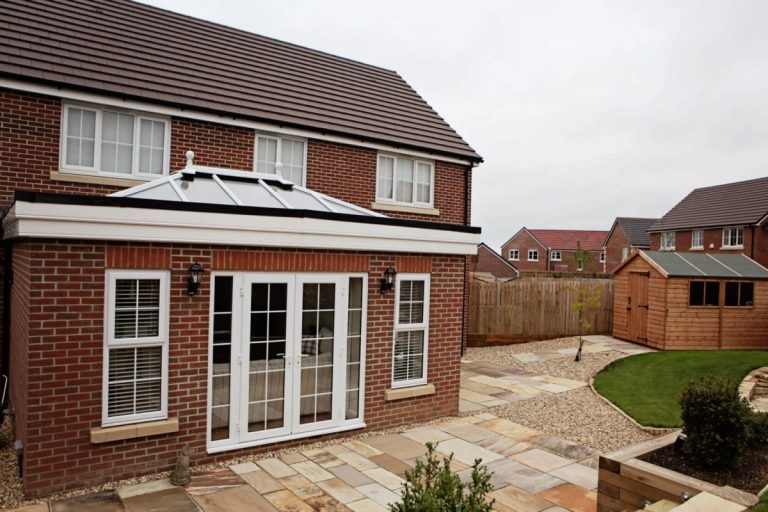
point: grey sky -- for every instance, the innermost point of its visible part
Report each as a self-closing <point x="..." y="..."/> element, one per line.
<point x="583" y="110"/>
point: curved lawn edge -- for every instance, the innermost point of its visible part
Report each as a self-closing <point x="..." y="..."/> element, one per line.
<point x="647" y="387"/>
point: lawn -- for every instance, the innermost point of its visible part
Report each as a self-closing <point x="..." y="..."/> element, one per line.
<point x="648" y="386"/>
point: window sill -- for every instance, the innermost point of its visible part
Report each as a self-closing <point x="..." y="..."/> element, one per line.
<point x="152" y="428"/>
<point x="404" y="208"/>
<point x="97" y="180"/>
<point x="732" y="248"/>
<point x="411" y="392"/>
<point x="697" y="248"/>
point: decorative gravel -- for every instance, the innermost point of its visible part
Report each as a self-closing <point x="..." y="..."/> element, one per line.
<point x="522" y="348"/>
<point x="10" y="485"/>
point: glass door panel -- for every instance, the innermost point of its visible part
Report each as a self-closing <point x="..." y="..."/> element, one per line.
<point x="317" y="343"/>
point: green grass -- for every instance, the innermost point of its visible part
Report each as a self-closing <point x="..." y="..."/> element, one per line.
<point x="648" y="386"/>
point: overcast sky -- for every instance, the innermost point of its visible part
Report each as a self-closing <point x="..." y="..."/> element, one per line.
<point x="583" y="110"/>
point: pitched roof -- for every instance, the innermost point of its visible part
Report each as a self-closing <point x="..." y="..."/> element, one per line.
<point x="636" y="229"/>
<point x="740" y="203"/>
<point x="134" y="50"/>
<point x="568" y="239"/>
<point x="727" y="266"/>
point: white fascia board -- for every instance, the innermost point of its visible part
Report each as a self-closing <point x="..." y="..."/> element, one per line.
<point x="90" y="222"/>
<point x="190" y="113"/>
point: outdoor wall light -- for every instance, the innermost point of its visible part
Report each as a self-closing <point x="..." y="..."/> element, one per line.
<point x="388" y="281"/>
<point x="195" y="278"/>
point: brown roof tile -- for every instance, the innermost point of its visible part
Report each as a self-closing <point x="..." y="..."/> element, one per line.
<point x="570" y="239"/>
<point x="135" y="50"/>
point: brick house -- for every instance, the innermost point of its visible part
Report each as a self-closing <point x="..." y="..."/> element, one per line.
<point x="729" y="218"/>
<point x="490" y="262"/>
<point x="626" y="236"/>
<point x="554" y="250"/>
<point x="217" y="239"/>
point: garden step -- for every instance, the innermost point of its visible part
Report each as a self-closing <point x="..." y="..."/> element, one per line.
<point x="661" y="506"/>
<point x="706" y="502"/>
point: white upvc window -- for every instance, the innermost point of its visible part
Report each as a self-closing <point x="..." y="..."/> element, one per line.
<point x="667" y="241"/>
<point x="697" y="239"/>
<point x="406" y="181"/>
<point x="602" y="257"/>
<point x="114" y="143"/>
<point x="514" y="254"/>
<point x="136" y="347"/>
<point x="533" y="255"/>
<point x="555" y="256"/>
<point x="733" y="237"/>
<point x="624" y="253"/>
<point x="283" y="156"/>
<point x="409" y="363"/>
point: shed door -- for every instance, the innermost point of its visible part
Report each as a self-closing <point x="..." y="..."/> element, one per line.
<point x="637" y="307"/>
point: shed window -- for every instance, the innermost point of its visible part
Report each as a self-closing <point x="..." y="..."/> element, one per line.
<point x="704" y="293"/>
<point x="739" y="293"/>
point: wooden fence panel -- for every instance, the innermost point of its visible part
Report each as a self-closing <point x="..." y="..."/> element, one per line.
<point x="532" y="308"/>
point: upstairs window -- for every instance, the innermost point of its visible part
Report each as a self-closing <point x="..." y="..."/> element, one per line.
<point x="667" y="241"/>
<point x="555" y="256"/>
<point x="733" y="237"/>
<point x="405" y="181"/>
<point x="114" y="143"/>
<point x="514" y="254"/>
<point x="740" y="293"/>
<point x="697" y="239"/>
<point x="282" y="156"/>
<point x="533" y="255"/>
<point x="624" y="253"/>
<point x="704" y="293"/>
<point x="602" y="257"/>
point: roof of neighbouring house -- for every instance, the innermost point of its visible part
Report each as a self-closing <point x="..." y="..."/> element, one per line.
<point x="570" y="239"/>
<point x="727" y="266"/>
<point x="142" y="52"/>
<point x="636" y="229"/>
<point x="740" y="203"/>
<point x="482" y="246"/>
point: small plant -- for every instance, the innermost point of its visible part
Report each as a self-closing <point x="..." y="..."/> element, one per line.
<point x="716" y="422"/>
<point x="431" y="486"/>
<point x="586" y="299"/>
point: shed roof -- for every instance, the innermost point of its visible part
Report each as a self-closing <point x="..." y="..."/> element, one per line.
<point x="676" y="264"/>
<point x="142" y="52"/>
<point x="740" y="203"/>
<point x="636" y="229"/>
<point x="569" y="239"/>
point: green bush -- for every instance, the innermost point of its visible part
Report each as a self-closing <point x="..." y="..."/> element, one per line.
<point x="433" y="487"/>
<point x="716" y="421"/>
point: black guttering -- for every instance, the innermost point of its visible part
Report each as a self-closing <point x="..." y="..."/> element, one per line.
<point x="155" y="204"/>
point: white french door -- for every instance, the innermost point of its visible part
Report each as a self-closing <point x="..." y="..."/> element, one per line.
<point x="292" y="347"/>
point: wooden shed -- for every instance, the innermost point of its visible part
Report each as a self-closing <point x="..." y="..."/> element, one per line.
<point x="670" y="300"/>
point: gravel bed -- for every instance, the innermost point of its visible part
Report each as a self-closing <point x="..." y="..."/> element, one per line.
<point x="520" y="348"/>
<point x="578" y="416"/>
<point x="10" y="484"/>
<point x="566" y="367"/>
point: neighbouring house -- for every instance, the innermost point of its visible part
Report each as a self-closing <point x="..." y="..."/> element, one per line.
<point x="490" y="263"/>
<point x="627" y="236"/>
<point x="554" y="250"/>
<point x="673" y="300"/>
<point x="728" y="218"/>
<point x="217" y="239"/>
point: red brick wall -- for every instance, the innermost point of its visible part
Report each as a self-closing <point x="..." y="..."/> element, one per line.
<point x="714" y="238"/>
<point x="488" y="261"/>
<point x="523" y="242"/>
<point x="65" y="342"/>
<point x="215" y="145"/>
<point x="568" y="263"/>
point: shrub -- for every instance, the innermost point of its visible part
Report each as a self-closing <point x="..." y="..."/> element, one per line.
<point x="433" y="487"/>
<point x="716" y="423"/>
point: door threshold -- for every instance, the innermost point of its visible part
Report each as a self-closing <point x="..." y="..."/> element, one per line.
<point x="283" y="438"/>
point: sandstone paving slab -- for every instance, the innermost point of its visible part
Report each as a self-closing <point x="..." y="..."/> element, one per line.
<point x="34" y="507"/>
<point x="379" y="494"/>
<point x="292" y="458"/>
<point x="105" y="501"/>
<point x="326" y="504"/>
<point x="350" y="475"/>
<point x="362" y="448"/>
<point x="562" y="381"/>
<point x="312" y="471"/>
<point x="262" y="481"/>
<point x="472" y="396"/>
<point x="528" y="357"/>
<point x="356" y="460"/>
<point x="366" y="505"/>
<point x="285" y="501"/>
<point x="238" y="498"/>
<point x="143" y="488"/>
<point x="527" y="478"/>
<point x="340" y="490"/>
<point x="245" y="467"/>
<point x="493" y="403"/>
<point x="552" y="388"/>
<point x="577" y="474"/>
<point x="427" y="434"/>
<point x="511" y="396"/>
<point x="397" y="446"/>
<point x="512" y="499"/>
<point x="175" y="500"/>
<point x="470" y="432"/>
<point x="301" y="486"/>
<point x="485" y="416"/>
<point x="503" y="472"/>
<point x="323" y="458"/>
<point x="541" y="459"/>
<point x="336" y="449"/>
<point x="276" y="467"/>
<point x="386" y="478"/>
<point x="467" y="406"/>
<point x="510" y="429"/>
<point x="479" y="387"/>
<point x="572" y="497"/>
<point x="391" y="464"/>
<point x="205" y="482"/>
<point x="465" y="452"/>
<point x="564" y="447"/>
<point x="504" y="445"/>
<point x="556" y="508"/>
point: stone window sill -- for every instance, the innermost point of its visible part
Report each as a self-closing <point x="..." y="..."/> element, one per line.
<point x="151" y="428"/>
<point x="403" y="208"/>
<point x="96" y="180"/>
<point x="412" y="392"/>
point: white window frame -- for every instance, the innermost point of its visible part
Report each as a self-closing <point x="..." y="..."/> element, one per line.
<point x="516" y="256"/>
<point x="558" y="258"/>
<point x="96" y="169"/>
<point x="624" y="253"/>
<point x="533" y="252"/>
<point x="700" y="233"/>
<point x="423" y="325"/>
<point x="416" y="161"/>
<point x="731" y="232"/>
<point x="602" y="256"/>
<point x="664" y="238"/>
<point x="161" y="340"/>
<point x="280" y="139"/>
